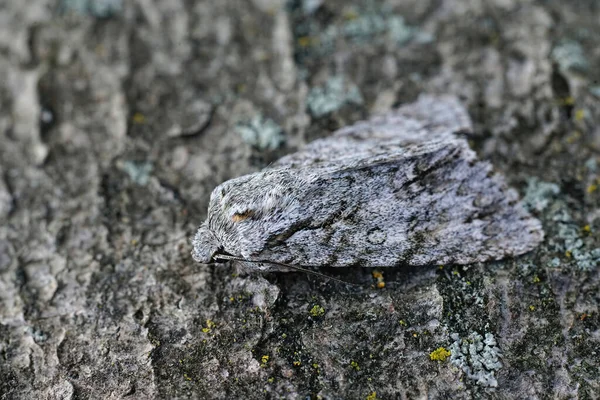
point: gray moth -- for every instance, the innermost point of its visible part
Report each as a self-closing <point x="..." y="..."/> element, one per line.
<point x="399" y="189"/>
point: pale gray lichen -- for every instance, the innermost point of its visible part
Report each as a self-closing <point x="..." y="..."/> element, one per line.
<point x="595" y="90"/>
<point x="310" y="6"/>
<point x="95" y="8"/>
<point x="539" y="194"/>
<point x="364" y="27"/>
<point x="359" y="26"/>
<point x="336" y="93"/>
<point x="139" y="172"/>
<point x="573" y="246"/>
<point x="262" y="133"/>
<point x="591" y="165"/>
<point x="554" y="263"/>
<point x="570" y="56"/>
<point x="477" y="357"/>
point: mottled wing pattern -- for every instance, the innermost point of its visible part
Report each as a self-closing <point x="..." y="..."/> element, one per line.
<point x="432" y="204"/>
<point x="429" y="119"/>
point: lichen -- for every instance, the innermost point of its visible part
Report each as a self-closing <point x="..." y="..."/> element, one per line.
<point x="539" y="194"/>
<point x="359" y="26"/>
<point x="264" y="360"/>
<point x="477" y="357"/>
<point x="95" y="8"/>
<point x="439" y="354"/>
<point x="139" y="172"/>
<point x="379" y="280"/>
<point x="570" y="56"/>
<point x="372" y="396"/>
<point x="335" y="94"/>
<point x="262" y="133"/>
<point x="317" y="311"/>
<point x="595" y="90"/>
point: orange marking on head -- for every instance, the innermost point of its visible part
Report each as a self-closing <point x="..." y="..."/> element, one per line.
<point x="237" y="217"/>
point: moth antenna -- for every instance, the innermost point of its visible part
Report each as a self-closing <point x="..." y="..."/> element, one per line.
<point x="294" y="267"/>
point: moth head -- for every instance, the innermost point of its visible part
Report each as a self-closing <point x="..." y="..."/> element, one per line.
<point x="244" y="212"/>
<point x="205" y="245"/>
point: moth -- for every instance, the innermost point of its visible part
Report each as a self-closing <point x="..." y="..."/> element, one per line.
<point x="399" y="189"/>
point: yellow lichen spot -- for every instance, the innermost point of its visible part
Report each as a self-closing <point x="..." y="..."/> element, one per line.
<point x="568" y="254"/>
<point x="349" y="15"/>
<point x="304" y="41"/>
<point x="573" y="137"/>
<point x="579" y="115"/>
<point x="284" y="335"/>
<point x="494" y="39"/>
<point x="138" y="118"/>
<point x="372" y="396"/>
<point x="592" y="188"/>
<point x="402" y="322"/>
<point x="531" y="308"/>
<point x="439" y="354"/>
<point x="271" y="380"/>
<point x="440" y="267"/>
<point x="468" y="283"/>
<point x="568" y="101"/>
<point x="536" y="279"/>
<point x="355" y="365"/>
<point x="232" y="299"/>
<point x="378" y="275"/>
<point x="315" y="366"/>
<point x="187" y="378"/>
<point x="241" y="88"/>
<point x="455" y="272"/>
<point x="264" y="360"/>
<point x="415" y="334"/>
<point x="317" y="311"/>
<point x="586" y="229"/>
<point x="100" y="50"/>
<point x="209" y="326"/>
<point x="297" y="363"/>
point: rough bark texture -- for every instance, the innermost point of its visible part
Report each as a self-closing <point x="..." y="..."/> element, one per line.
<point x="117" y="119"/>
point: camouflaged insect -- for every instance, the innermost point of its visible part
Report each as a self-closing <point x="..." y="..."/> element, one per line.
<point x="399" y="189"/>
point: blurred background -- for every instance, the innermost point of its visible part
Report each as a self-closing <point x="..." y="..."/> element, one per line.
<point x="119" y="117"/>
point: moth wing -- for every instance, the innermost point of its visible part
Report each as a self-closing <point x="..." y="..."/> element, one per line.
<point x="426" y="204"/>
<point x="431" y="118"/>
